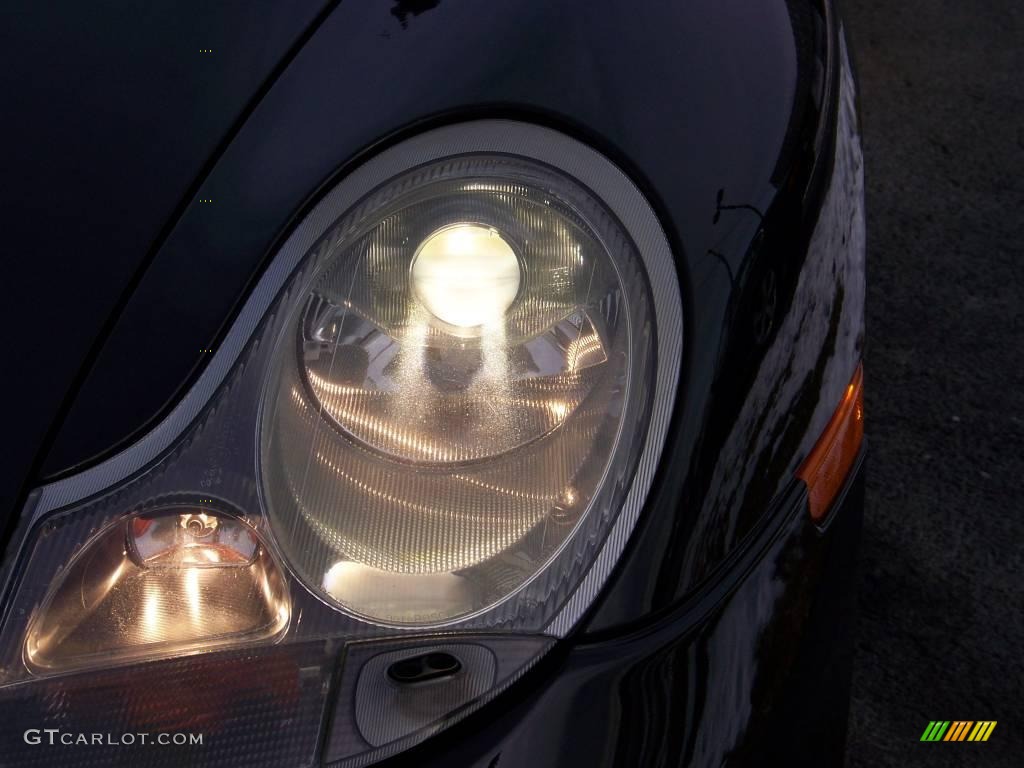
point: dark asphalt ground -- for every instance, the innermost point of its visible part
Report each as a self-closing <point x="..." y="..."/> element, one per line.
<point x="941" y="632"/>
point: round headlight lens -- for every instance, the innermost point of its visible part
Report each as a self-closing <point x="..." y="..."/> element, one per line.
<point x="458" y="391"/>
<point x="466" y="275"/>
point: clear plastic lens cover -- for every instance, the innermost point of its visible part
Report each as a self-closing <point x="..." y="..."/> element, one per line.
<point x="452" y="390"/>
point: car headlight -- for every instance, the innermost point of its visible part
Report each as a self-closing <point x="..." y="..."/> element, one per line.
<point x="452" y="393"/>
<point x="441" y="407"/>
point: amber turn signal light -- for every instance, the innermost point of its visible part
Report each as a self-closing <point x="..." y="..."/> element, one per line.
<point x="826" y="467"/>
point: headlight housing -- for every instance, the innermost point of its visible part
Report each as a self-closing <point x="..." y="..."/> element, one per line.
<point x="441" y="408"/>
<point x="452" y="396"/>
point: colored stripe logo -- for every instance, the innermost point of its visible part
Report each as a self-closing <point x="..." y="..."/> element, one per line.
<point x="958" y="730"/>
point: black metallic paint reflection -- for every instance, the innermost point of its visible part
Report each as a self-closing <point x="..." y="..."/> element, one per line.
<point x="111" y="116"/>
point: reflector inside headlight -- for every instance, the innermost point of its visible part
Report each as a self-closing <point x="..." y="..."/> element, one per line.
<point x="450" y="395"/>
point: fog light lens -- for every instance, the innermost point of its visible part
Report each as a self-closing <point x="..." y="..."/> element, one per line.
<point x="165" y="582"/>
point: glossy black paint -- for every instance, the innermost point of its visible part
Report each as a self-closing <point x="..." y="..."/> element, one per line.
<point x="110" y="113"/>
<point x="725" y="114"/>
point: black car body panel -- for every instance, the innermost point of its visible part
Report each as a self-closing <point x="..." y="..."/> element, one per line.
<point x="111" y="114"/>
<point x="736" y="120"/>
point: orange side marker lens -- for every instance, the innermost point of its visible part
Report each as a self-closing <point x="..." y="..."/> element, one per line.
<point x="826" y="467"/>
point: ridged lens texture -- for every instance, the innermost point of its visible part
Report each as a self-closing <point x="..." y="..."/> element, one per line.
<point x="438" y="424"/>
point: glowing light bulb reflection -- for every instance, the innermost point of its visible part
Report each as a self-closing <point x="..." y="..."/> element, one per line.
<point x="400" y="597"/>
<point x="558" y="409"/>
<point x="152" y="617"/>
<point x="195" y="604"/>
<point x="466" y="275"/>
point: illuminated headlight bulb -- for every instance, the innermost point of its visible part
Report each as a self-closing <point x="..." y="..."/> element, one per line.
<point x="466" y="275"/>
